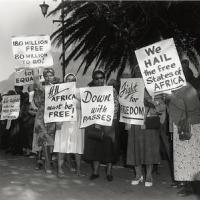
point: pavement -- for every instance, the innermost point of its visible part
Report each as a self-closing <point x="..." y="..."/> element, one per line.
<point x="19" y="181"/>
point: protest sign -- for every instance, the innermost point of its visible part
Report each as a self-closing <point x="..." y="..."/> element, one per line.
<point x="131" y="99"/>
<point x="160" y="67"/>
<point x="32" y="51"/>
<point x="60" y="102"/>
<point x="97" y="105"/>
<point x="25" y="76"/>
<point x="10" y="107"/>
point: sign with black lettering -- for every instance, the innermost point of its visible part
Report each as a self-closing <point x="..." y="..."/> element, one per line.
<point x="32" y="51"/>
<point x="161" y="67"/>
<point x="60" y="102"/>
<point x="25" y="76"/>
<point x="10" y="107"/>
<point x="97" y="106"/>
<point x="131" y="99"/>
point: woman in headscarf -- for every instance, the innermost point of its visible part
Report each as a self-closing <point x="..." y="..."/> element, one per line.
<point x="69" y="137"/>
<point x="44" y="133"/>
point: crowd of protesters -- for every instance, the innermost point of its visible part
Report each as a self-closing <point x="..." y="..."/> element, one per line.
<point x="138" y="146"/>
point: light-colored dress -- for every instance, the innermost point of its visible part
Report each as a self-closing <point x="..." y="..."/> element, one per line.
<point x="186" y="153"/>
<point x="70" y="139"/>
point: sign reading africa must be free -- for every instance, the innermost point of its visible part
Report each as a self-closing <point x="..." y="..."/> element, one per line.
<point x="60" y="103"/>
<point x="160" y="67"/>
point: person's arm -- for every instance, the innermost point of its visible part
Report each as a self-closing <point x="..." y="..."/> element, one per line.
<point x="36" y="79"/>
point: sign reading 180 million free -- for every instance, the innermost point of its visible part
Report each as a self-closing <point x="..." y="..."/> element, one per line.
<point x="160" y="67"/>
<point x="32" y="51"/>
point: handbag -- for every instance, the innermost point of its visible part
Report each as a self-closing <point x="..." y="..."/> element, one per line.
<point x="152" y="122"/>
<point x="95" y="133"/>
<point x="184" y="127"/>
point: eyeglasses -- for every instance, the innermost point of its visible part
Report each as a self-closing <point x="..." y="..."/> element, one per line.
<point x="97" y="78"/>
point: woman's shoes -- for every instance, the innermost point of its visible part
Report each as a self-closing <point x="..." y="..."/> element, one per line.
<point x="109" y="178"/>
<point x="94" y="176"/>
<point x="39" y="165"/>
<point x="48" y="171"/>
<point x="61" y="173"/>
<point x="184" y="192"/>
<point x="148" y="182"/>
<point x="136" y="181"/>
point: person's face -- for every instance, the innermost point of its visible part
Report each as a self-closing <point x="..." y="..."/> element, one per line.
<point x="49" y="77"/>
<point x="70" y="78"/>
<point x="99" y="80"/>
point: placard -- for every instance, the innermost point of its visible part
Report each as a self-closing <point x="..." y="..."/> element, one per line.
<point x="60" y="102"/>
<point x="10" y="107"/>
<point x="161" y="67"/>
<point x="32" y="51"/>
<point x="131" y="99"/>
<point x="25" y="76"/>
<point x="97" y="106"/>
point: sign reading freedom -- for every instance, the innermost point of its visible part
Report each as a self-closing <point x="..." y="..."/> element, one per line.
<point x="10" y="107"/>
<point x="97" y="106"/>
<point x="161" y="67"/>
<point x="25" y="76"/>
<point x="32" y="51"/>
<point x="131" y="99"/>
<point x="60" y="104"/>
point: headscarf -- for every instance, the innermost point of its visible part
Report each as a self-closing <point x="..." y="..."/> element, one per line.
<point x="48" y="70"/>
<point x="51" y="70"/>
<point x="69" y="74"/>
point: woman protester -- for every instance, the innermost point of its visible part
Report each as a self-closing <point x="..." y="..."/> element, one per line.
<point x="69" y="138"/>
<point x="143" y="144"/>
<point x="43" y="138"/>
<point x="103" y="150"/>
<point x="28" y="118"/>
<point x="184" y="113"/>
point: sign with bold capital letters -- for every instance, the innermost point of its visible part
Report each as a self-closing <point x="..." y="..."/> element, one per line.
<point x="160" y="67"/>
<point x="10" y="107"/>
<point x="131" y="99"/>
<point x="25" y="76"/>
<point x="32" y="51"/>
<point x="97" y="106"/>
<point x="60" y="102"/>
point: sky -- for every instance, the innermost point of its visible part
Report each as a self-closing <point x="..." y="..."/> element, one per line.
<point x="21" y="17"/>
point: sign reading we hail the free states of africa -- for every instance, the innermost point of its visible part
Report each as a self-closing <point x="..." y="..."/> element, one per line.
<point x="160" y="67"/>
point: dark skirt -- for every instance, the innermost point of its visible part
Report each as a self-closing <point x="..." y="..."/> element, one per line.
<point x="143" y="146"/>
<point x="105" y="150"/>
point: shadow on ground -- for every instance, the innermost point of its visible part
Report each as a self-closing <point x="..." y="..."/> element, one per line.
<point x="19" y="181"/>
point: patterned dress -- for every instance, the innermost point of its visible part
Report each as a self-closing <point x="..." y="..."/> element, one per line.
<point x="186" y="153"/>
<point x="44" y="133"/>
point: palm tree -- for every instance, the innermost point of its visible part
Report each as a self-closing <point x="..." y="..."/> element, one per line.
<point x="108" y="33"/>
